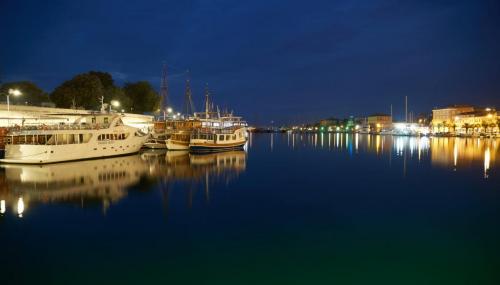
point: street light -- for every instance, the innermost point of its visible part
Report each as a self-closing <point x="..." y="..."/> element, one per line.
<point x="115" y="104"/>
<point x="169" y="110"/>
<point x="13" y="92"/>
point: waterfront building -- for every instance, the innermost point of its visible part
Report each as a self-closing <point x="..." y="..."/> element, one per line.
<point x="484" y="121"/>
<point x="443" y="119"/>
<point x="379" y="122"/>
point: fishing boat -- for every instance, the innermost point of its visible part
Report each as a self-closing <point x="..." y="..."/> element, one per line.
<point x="90" y="136"/>
<point x="218" y="140"/>
<point x="179" y="140"/>
<point x="218" y="131"/>
<point x="158" y="142"/>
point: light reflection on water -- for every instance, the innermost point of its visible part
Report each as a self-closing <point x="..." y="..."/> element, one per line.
<point x="106" y="181"/>
<point x="442" y="151"/>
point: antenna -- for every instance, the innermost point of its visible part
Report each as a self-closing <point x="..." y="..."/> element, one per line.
<point x="188" y="100"/>
<point x="164" y="88"/>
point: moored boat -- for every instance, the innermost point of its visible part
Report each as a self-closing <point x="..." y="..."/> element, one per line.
<point x="218" y="140"/>
<point x="179" y="140"/>
<point x="91" y="136"/>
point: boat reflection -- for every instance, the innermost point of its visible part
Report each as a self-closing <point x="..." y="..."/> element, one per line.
<point x="104" y="182"/>
<point x="442" y="151"/>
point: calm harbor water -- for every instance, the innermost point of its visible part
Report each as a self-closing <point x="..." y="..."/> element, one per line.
<point x="294" y="209"/>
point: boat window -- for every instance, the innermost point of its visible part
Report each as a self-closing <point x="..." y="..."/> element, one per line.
<point x="234" y="137"/>
<point x="221" y="137"/>
<point x="228" y="137"/>
<point x="105" y="120"/>
<point x="99" y="138"/>
<point x="93" y="120"/>
<point x="80" y="139"/>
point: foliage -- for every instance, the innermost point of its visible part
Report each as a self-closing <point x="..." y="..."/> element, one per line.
<point x="143" y="97"/>
<point x="83" y="90"/>
<point x="117" y="93"/>
<point x="31" y="93"/>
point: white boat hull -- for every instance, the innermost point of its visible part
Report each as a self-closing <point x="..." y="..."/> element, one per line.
<point x="40" y="154"/>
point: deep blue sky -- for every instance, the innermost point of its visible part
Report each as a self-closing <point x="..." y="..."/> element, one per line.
<point x="286" y="61"/>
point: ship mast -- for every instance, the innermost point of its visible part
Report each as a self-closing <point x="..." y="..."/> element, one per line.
<point x="188" y="100"/>
<point x="164" y="89"/>
<point x="207" y="104"/>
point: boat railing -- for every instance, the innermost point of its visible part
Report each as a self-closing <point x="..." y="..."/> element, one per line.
<point x="59" y="127"/>
<point x="228" y="130"/>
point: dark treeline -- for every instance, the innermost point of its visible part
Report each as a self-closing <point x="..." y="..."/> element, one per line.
<point x="85" y="91"/>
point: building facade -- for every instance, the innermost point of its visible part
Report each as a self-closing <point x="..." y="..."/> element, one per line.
<point x="443" y="120"/>
<point x="477" y="122"/>
<point x="379" y="122"/>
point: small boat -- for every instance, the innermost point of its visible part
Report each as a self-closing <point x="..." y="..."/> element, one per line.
<point x="179" y="141"/>
<point x="218" y="140"/>
<point x="91" y="136"/>
<point x="158" y="142"/>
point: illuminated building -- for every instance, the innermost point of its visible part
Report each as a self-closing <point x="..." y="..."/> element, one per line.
<point x="477" y="122"/>
<point x="443" y="119"/>
<point x="378" y="122"/>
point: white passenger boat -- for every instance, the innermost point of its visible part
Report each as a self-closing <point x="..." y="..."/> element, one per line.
<point x="91" y="136"/>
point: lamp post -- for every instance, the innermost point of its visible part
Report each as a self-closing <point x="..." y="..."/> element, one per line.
<point x="114" y="103"/>
<point x="169" y="111"/>
<point x="13" y="92"/>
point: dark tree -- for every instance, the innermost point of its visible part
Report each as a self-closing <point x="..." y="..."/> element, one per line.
<point x="83" y="90"/>
<point x="31" y="93"/>
<point x="117" y="93"/>
<point x="143" y="97"/>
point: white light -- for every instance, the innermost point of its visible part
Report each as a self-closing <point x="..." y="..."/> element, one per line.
<point x="169" y="110"/>
<point x="178" y="114"/>
<point x="20" y="207"/>
<point x="175" y="116"/>
<point x="2" y="207"/>
<point x="15" y="92"/>
<point x="115" y="103"/>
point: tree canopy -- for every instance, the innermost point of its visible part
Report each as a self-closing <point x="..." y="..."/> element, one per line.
<point x="143" y="97"/>
<point x="83" y="90"/>
<point x="31" y="93"/>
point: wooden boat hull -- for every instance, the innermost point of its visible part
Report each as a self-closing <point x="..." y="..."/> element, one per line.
<point x="216" y="147"/>
<point x="177" y="145"/>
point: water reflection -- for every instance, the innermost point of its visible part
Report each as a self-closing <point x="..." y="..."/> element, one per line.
<point x="443" y="152"/>
<point x="104" y="182"/>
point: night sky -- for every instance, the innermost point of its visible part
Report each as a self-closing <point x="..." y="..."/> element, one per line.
<point x="282" y="61"/>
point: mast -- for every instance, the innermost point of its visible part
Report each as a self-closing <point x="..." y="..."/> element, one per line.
<point x="188" y="100"/>
<point x="164" y="89"/>
<point x="207" y="104"/>
<point x="406" y="109"/>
